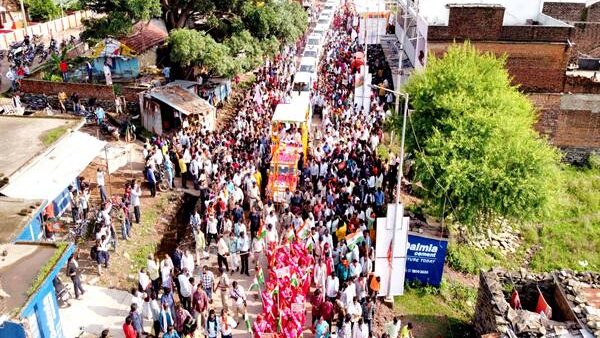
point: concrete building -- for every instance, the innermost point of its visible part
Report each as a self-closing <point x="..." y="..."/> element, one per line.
<point x="40" y="157"/>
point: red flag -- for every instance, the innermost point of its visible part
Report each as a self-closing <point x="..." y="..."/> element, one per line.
<point x="515" y="300"/>
<point x="390" y="254"/>
<point x="542" y="306"/>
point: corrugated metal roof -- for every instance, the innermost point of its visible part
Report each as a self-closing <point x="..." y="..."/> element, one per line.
<point x="182" y="100"/>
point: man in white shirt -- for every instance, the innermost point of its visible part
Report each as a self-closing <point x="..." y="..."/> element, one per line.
<point x="222" y="253"/>
<point x="100" y="183"/>
<point x="185" y="289"/>
<point x="136" y="193"/>
<point x="244" y="252"/>
<point x="272" y="235"/>
<point x="333" y="286"/>
<point x="238" y="296"/>
<point x="271" y="219"/>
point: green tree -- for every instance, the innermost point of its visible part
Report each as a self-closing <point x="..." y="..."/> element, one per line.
<point x="476" y="153"/>
<point x="120" y="16"/>
<point x="285" y="20"/>
<point x="42" y="10"/>
<point x="190" y="47"/>
<point x="246" y="49"/>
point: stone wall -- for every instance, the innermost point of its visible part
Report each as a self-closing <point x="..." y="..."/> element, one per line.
<point x="570" y="310"/>
<point x="578" y="287"/>
<point x="486" y="309"/>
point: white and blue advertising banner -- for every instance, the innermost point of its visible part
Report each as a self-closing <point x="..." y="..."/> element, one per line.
<point x="425" y="259"/>
<point x="390" y="251"/>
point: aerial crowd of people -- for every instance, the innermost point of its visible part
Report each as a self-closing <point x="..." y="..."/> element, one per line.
<point x="344" y="186"/>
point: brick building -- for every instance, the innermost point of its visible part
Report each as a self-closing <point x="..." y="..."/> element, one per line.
<point x="538" y="41"/>
<point x="537" y="48"/>
<point x="585" y="19"/>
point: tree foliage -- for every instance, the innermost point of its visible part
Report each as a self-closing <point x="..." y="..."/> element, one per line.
<point x="42" y="10"/>
<point x="476" y="153"/>
<point x="120" y="16"/>
<point x="284" y="20"/>
<point x="242" y="33"/>
<point x="191" y="47"/>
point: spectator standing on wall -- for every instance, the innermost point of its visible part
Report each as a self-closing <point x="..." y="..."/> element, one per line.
<point x="64" y="67"/>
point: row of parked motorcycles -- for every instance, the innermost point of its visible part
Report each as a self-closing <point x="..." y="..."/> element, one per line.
<point x="24" y="53"/>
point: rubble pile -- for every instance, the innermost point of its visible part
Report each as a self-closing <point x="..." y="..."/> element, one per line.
<point x="578" y="286"/>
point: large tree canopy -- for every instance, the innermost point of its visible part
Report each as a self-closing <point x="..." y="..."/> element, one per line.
<point x="476" y="153"/>
<point x="191" y="47"/>
<point x="120" y="16"/>
<point x="240" y="43"/>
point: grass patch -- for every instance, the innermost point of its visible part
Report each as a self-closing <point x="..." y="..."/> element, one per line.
<point x="47" y="268"/>
<point x="50" y="136"/>
<point x="570" y="237"/>
<point x="446" y="311"/>
<point x="148" y="221"/>
<point x="139" y="258"/>
<point x="567" y="238"/>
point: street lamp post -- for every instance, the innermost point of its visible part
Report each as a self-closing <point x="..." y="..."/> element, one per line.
<point x="400" y="171"/>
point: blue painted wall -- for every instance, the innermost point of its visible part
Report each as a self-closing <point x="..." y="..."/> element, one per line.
<point x="42" y="308"/>
<point x="11" y="330"/>
<point x="33" y="231"/>
<point x="127" y="68"/>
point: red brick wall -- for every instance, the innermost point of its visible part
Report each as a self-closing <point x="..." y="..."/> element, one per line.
<point x="485" y="23"/>
<point x="593" y="13"/>
<point x="583" y="85"/>
<point x="85" y="90"/>
<point x="578" y="129"/>
<point x="568" y="11"/>
<point x="536" y="67"/>
<point x="475" y="22"/>
<point x="586" y="36"/>
<point x="535" y="33"/>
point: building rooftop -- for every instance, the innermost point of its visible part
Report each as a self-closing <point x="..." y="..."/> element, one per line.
<point x="15" y="214"/>
<point x="517" y="13"/>
<point x="22" y="138"/>
<point x="181" y="99"/>
<point x="146" y="35"/>
<point x="19" y="270"/>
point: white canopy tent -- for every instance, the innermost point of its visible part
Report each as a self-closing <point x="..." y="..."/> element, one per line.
<point x="294" y="112"/>
<point x="51" y="174"/>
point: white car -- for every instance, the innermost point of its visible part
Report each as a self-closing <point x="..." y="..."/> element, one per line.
<point x="308" y="65"/>
<point x="302" y="82"/>
<point x="320" y="30"/>
<point x="311" y="52"/>
<point x="315" y="40"/>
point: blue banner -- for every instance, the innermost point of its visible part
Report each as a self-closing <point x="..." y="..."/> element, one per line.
<point x="425" y="259"/>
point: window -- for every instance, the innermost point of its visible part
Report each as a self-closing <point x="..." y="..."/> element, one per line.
<point x="310" y="54"/>
<point x="307" y="68"/>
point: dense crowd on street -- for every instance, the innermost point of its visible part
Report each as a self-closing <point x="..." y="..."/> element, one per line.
<point x="344" y="187"/>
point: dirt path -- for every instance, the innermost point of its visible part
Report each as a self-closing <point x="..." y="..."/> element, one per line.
<point x="157" y="214"/>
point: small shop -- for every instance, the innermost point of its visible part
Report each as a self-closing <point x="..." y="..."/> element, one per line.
<point x="164" y="109"/>
<point x="28" y="273"/>
<point x="121" y="59"/>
